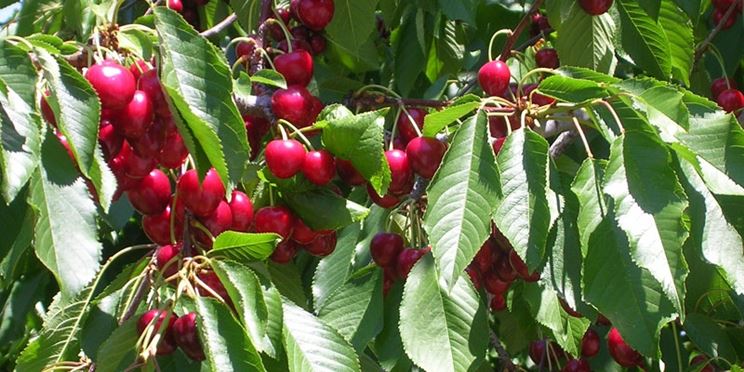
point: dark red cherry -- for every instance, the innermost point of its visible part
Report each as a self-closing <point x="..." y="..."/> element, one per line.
<point x="717" y="16"/>
<point x="484" y="259"/>
<point x="319" y="167"/>
<point x="731" y="100"/>
<point x="150" y="84"/>
<point x="387" y="201"/>
<point x="425" y="154"/>
<point x="721" y="84"/>
<point x="242" y="211"/>
<point x="623" y="354"/>
<point x="497" y="144"/>
<point x="175" y="5"/>
<point x="498" y="302"/>
<point x="157" y="227"/>
<point x="493" y="284"/>
<point x="318" y="43"/>
<point x="577" y="365"/>
<point x="152" y="194"/>
<point x="245" y="49"/>
<point x="569" y="310"/>
<point x="302" y="234"/>
<point x="537" y="352"/>
<point x="133" y="165"/>
<point x="296" y="67"/>
<point x="348" y="173"/>
<point x="475" y="277"/>
<point x="165" y="258"/>
<point x="590" y="343"/>
<point x="519" y="266"/>
<point x="167" y="344"/>
<point x="537" y="98"/>
<point x="277" y="220"/>
<point x="137" y="116"/>
<point x="173" y="152"/>
<point x="539" y="23"/>
<point x="46" y="111"/>
<point x="109" y="139"/>
<point x="186" y="336"/>
<point x="595" y="7"/>
<point x="323" y="245"/>
<point x="113" y="82"/>
<point x="315" y="14"/>
<point x="293" y="104"/>
<point x="217" y="222"/>
<point x="149" y="144"/>
<point x="284" y="252"/>
<point x="201" y="199"/>
<point x="285" y="14"/>
<point x="400" y="170"/>
<point x="385" y="248"/>
<point x="297" y="44"/>
<point x="494" y="78"/>
<point x="138" y="68"/>
<point x="547" y="58"/>
<point x="504" y="270"/>
<point x="284" y="158"/>
<point x="406" y="124"/>
<point x="213" y="282"/>
<point x="702" y="359"/>
<point x="407" y="259"/>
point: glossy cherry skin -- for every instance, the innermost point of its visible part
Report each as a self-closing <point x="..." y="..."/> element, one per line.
<point x="400" y="170"/>
<point x="577" y="365"/>
<point x="109" y="139"/>
<point x="284" y="252"/>
<point x="319" y="167"/>
<point x="475" y="277"/>
<point x="537" y="352"/>
<point x="166" y="345"/>
<point x="284" y="158"/>
<point x="296" y="67"/>
<point x="622" y="352"/>
<point x="186" y="336"/>
<point x="721" y="84"/>
<point x="174" y="151"/>
<point x="504" y="270"/>
<point x="318" y="43"/>
<point x="150" y="84"/>
<point x="217" y="222"/>
<point x="315" y="14"/>
<point x="113" y="82"/>
<point x="200" y="199"/>
<point x="279" y="220"/>
<point x="407" y="259"/>
<point x="731" y="100"/>
<point x="242" y="211"/>
<point x="293" y="104"/>
<point x="547" y="58"/>
<point x="133" y="165"/>
<point x="385" y="248"/>
<point x="702" y="359"/>
<point x="590" y="343"/>
<point x="348" y="173"/>
<point x="46" y="111"/>
<point x="149" y="144"/>
<point x="386" y="201"/>
<point x="285" y="14"/>
<point x="302" y="234"/>
<point x="157" y="227"/>
<point x="425" y="154"/>
<point x="595" y="7"/>
<point x="485" y="259"/>
<point x="175" y="5"/>
<point x="537" y="98"/>
<point x="323" y="245"/>
<point x="213" y="282"/>
<point x="406" y="125"/>
<point x="519" y="266"/>
<point x="498" y="302"/>
<point x="138" y="68"/>
<point x="539" y="23"/>
<point x="137" y="116"/>
<point x="163" y="256"/>
<point x="497" y="144"/>
<point x="152" y="194"/>
<point x="255" y="129"/>
<point x="494" y="78"/>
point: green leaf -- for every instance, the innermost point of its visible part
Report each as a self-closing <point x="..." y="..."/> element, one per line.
<point x="17" y="72"/>
<point x="709" y="337"/>
<point x="352" y="24"/>
<point x="118" y="350"/>
<point x="312" y="345"/>
<point x="388" y="345"/>
<point x="459" y="10"/>
<point x="17" y="230"/>
<point x="137" y="41"/>
<point x="649" y="205"/>
<point x="679" y="31"/>
<point x="462" y="196"/>
<point x="409" y="51"/>
<point x="323" y="209"/>
<point x="436" y="121"/>
<point x="270" y="78"/>
<point x="226" y="343"/>
<point x="523" y="215"/>
<point x="333" y="270"/>
<point x="248" y="12"/>
<point x="546" y="309"/>
<point x="644" y="40"/>
<point x="442" y="329"/>
<point x="572" y="89"/>
<point x="359" y="139"/>
<point x="66" y="238"/>
<point x="288" y="281"/>
<point x="199" y="82"/>
<point x="18" y="302"/>
<point x="585" y="74"/>
<point x="243" y="247"/>
<point x="587" y="186"/>
<point x="585" y="40"/>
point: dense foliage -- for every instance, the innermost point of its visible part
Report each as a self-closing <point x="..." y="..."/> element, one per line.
<point x="348" y="185"/>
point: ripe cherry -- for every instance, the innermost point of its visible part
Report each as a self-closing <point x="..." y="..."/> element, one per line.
<point x="406" y="125"/>
<point x="138" y="68"/>
<point x="175" y="5"/>
<point x="537" y="352"/>
<point x="186" y="336"/>
<point x="498" y="302"/>
<point x="425" y="154"/>
<point x="547" y="58"/>
<point x="717" y="16"/>
<point x="46" y="111"/>
<point x="217" y="222"/>
<point x="157" y="227"/>
<point x="494" y="78"/>
<point x="493" y="284"/>
<point x="301" y="233"/>
<point x="173" y="152"/>
<point x="387" y="201"/>
<point x="212" y="281"/>
<point x="537" y="98"/>
<point x="293" y="104"/>
<point x="277" y="220"/>
<point x="348" y="173"/>
<point x="133" y="165"/>
<point x="315" y="14"/>
<point x="702" y="359"/>
<point x="137" y="116"/>
<point x="296" y="67"/>
<point x="256" y="129"/>
<point x="577" y="365"/>
<point x="165" y="256"/>
<point x="539" y="23"/>
<point x="284" y="252"/>
<point x="385" y="248"/>
<point x="400" y="170"/>
<point x="152" y="194"/>
<point x="319" y="167"/>
<point x="285" y="14"/>
<point x="497" y="144"/>
<point x="721" y="84"/>
<point x="200" y="199"/>
<point x="284" y="158"/>
<point x="242" y="211"/>
<point x="109" y="139"/>
<point x="504" y="270"/>
<point x="484" y="259"/>
<point x="245" y="49"/>
<point x="323" y="245"/>
<point x="113" y="82"/>
<point x="731" y="100"/>
<point x="318" y="43"/>
<point x="519" y="266"/>
<point x="590" y="343"/>
<point x="167" y="344"/>
<point x="568" y="309"/>
<point x="407" y="259"/>
<point x="622" y="352"/>
<point x="595" y="7"/>
<point x="475" y="277"/>
<point x="149" y="144"/>
<point x="150" y="84"/>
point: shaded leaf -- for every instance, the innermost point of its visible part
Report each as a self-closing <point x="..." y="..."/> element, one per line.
<point x="243" y="247"/>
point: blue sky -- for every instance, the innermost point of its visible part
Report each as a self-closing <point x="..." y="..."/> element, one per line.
<point x="6" y="12"/>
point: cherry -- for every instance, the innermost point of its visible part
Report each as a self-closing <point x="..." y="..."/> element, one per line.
<point x="577" y="365"/>
<point x="504" y="270"/>
<point x="498" y="302"/>
<point x="300" y="32"/>
<point x="323" y="245"/>
<point x="319" y="167"/>
<point x="494" y="285"/>
<point x="137" y="116"/>
<point x="245" y="49"/>
<point x="175" y="5"/>
<point x="256" y="129"/>
<point x="301" y="233"/>
<point x="474" y="277"/>
<point x="406" y="126"/>
<point x="537" y="98"/>
<point x="484" y="259"/>
<point x="590" y="343"/>
<point x="157" y="227"/>
<point x="297" y="44"/>
<point x="109" y="139"/>
<point x="285" y="14"/>
<point x="315" y="14"/>
<point x="242" y="211"/>
<point x="150" y="144"/>
<point x="296" y="67"/>
<point x="167" y="344"/>
<point x="702" y="359"/>
<point x="173" y="152"/>
<point x="284" y="158"/>
<point x="400" y="170"/>
<point x="318" y="43"/>
<point x="385" y="248"/>
<point x="277" y="220"/>
<point x="113" y="82"/>
<point x="163" y="257"/>
<point x="547" y="58"/>
<point x="150" y="84"/>
<point x="602" y="320"/>
<point x="219" y="221"/>
<point x="537" y="352"/>
<point x="595" y="7"/>
<point x="731" y="100"/>
<point x="425" y="154"/>
<point x="407" y="258"/>
<point x="620" y="351"/>
<point x="46" y="111"/>
<point x="293" y="104"/>
<point x="519" y="266"/>
<point x="494" y="78"/>
<point x="152" y="194"/>
<point x="213" y="282"/>
<point x="201" y="199"/>
<point x="133" y="165"/>
<point x="387" y="201"/>
<point x="138" y="68"/>
<point x="317" y="107"/>
<point x="348" y="173"/>
<point x="721" y="84"/>
<point x="497" y="144"/>
<point x="717" y="16"/>
<point x="539" y="23"/>
<point x="123" y="182"/>
<point x="186" y="336"/>
<point x="722" y="4"/>
<point x="284" y="252"/>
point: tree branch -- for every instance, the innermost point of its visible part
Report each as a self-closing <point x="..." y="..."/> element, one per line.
<point x="512" y="39"/>
<point x="216" y="29"/>
<point x="560" y="145"/>
<point x="504" y="357"/>
<point x="533" y="40"/>
<point x="704" y="45"/>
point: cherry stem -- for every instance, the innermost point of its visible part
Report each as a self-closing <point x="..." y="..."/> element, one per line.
<point x="283" y="132"/>
<point x="676" y="343"/>
<point x="518" y="30"/>
<point x="172" y="218"/>
<point x="395" y="128"/>
<point x="493" y="37"/>
<point x="410" y="118"/>
<point x="297" y="132"/>
<point x="719" y="58"/>
<point x="614" y="115"/>
<point x="583" y="138"/>
<point x="271" y="195"/>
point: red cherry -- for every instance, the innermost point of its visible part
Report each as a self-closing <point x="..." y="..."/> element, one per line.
<point x="348" y="173"/>
<point x="602" y="320"/>
<point x="717" y="16"/>
<point x="484" y="259"/>
<point x="318" y="43"/>
<point x="301" y="233"/>
<point x="284" y="252"/>
<point x="114" y="83"/>
<point x="498" y="302"/>
<point x="425" y="154"/>
<point x="296" y="67"/>
<point x="722" y="4"/>
<point x="721" y="84"/>
<point x="137" y="116"/>
<point x="166" y="345"/>
<point x="293" y="104"/>
<point x="157" y="227"/>
<point x="537" y="352"/>
<point x="186" y="336"/>
<point x="387" y="201"/>
<point x="504" y="270"/>
<point x="284" y="158"/>
<point x="315" y="14"/>
<point x="621" y="352"/>
<point x="494" y="285"/>
<point x="497" y="144"/>
<point x="590" y="343"/>
<point x="400" y="170"/>
<point x="547" y="58"/>
<point x="138" y="68"/>
<point x="163" y="256"/>
<point x="109" y="139"/>
<point x="497" y="125"/>
<point x="150" y="84"/>
<point x="539" y="23"/>
<point x="537" y="98"/>
<point x="385" y="248"/>
<point x="474" y="277"/>
<point x="277" y="220"/>
<point x="213" y="282"/>
<point x="494" y="78"/>
<point x="319" y="167"/>
<point x="407" y="259"/>
<point x="297" y="44"/>
<point x="242" y="211"/>
<point x="323" y="245"/>
<point x="318" y="106"/>
<point x="256" y="129"/>
<point x="577" y="365"/>
<point x="46" y="111"/>
<point x="134" y="166"/>
<point x="405" y="125"/>
<point x="285" y="14"/>
<point x="519" y="266"/>
<point x="245" y="49"/>
<point x="175" y="5"/>
<point x="150" y="144"/>
<point x="569" y="310"/>
<point x="152" y="194"/>
<point x="217" y="222"/>
<point x="731" y="100"/>
<point x="595" y="7"/>
<point x="202" y="199"/>
<point x="702" y="359"/>
<point x="173" y="152"/>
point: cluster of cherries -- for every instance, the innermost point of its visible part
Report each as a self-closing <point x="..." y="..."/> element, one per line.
<point x="388" y="251"/>
<point x="546" y="353"/>
<point x="726" y="95"/>
<point x="295" y="234"/>
<point x="179" y="332"/>
<point x="720" y="9"/>
<point x="188" y="9"/>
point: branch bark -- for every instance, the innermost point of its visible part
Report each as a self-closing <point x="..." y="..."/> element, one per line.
<point x="216" y="29"/>
<point x="518" y="31"/>
<point x="704" y="45"/>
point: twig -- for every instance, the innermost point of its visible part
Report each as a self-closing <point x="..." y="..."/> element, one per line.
<point x="561" y="143"/>
<point x="256" y="60"/>
<point x="138" y="296"/>
<point x="512" y="39"/>
<point x="533" y="40"/>
<point x="704" y="45"/>
<point x="216" y="29"/>
<point x="504" y="357"/>
<point x="256" y="106"/>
